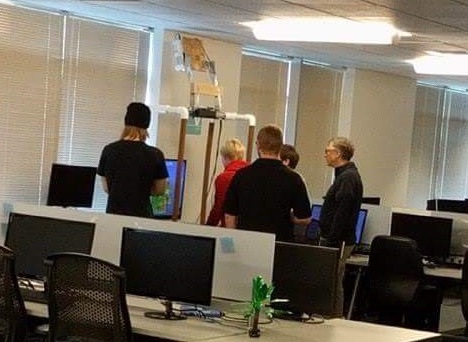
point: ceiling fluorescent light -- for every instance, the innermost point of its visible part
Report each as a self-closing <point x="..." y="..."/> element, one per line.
<point x="331" y="30"/>
<point x="441" y="64"/>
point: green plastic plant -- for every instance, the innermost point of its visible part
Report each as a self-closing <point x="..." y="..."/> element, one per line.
<point x="261" y="294"/>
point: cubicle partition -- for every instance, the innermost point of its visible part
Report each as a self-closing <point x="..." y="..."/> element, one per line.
<point x="240" y="255"/>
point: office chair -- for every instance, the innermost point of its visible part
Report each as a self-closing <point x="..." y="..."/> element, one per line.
<point x="397" y="291"/>
<point x="13" y="318"/>
<point x="86" y="298"/>
<point x="464" y="291"/>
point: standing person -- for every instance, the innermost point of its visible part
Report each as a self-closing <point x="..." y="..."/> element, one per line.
<point x="289" y="156"/>
<point x="232" y="157"/>
<point x="267" y="196"/>
<point x="341" y="206"/>
<point x="130" y="169"/>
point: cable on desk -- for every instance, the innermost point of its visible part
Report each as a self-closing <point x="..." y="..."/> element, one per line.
<point x="201" y="312"/>
<point x="27" y="283"/>
<point x="242" y="319"/>
<point x="304" y="317"/>
<point x="314" y="319"/>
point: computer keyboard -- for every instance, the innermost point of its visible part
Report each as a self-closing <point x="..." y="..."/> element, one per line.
<point x="362" y="249"/>
<point x="31" y="295"/>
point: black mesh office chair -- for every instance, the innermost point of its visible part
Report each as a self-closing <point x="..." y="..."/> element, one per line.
<point x="397" y="291"/>
<point x="464" y="291"/>
<point x="86" y="298"/>
<point x="13" y="319"/>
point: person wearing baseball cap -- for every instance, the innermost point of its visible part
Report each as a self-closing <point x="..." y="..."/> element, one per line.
<point x="131" y="171"/>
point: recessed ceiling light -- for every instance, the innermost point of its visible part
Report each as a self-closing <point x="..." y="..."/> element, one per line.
<point x="331" y="30"/>
<point x="436" y="63"/>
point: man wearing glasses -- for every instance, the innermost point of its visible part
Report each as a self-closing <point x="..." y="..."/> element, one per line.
<point x="341" y="206"/>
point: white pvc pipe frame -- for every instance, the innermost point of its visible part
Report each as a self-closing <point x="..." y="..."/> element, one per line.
<point x="184" y="114"/>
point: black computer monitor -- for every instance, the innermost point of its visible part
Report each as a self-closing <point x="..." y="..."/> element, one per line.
<point x="450" y="205"/>
<point x="170" y="267"/>
<point x="371" y="200"/>
<point x="163" y="205"/>
<point x="432" y="234"/>
<point x="307" y="276"/>
<point x="71" y="186"/>
<point x="360" y="222"/>
<point x="33" y="238"/>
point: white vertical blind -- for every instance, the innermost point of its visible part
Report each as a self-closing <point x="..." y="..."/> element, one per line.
<point x="317" y="116"/>
<point x="105" y="68"/>
<point x="455" y="152"/>
<point x="30" y="50"/>
<point x="425" y="146"/>
<point x="438" y="167"/>
<point x="263" y="87"/>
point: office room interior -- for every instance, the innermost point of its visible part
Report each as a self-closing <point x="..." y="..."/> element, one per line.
<point x="69" y="74"/>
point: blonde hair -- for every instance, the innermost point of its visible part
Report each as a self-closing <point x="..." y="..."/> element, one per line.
<point x="233" y="149"/>
<point x="134" y="133"/>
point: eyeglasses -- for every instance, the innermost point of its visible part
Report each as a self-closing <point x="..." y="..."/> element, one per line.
<point x="328" y="150"/>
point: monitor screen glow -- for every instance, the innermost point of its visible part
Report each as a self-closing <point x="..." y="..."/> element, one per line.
<point x="360" y="223"/>
<point x="163" y="205"/>
<point x="32" y="238"/>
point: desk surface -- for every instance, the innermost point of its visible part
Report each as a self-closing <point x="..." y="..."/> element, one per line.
<point x="438" y="271"/>
<point x="334" y="330"/>
<point x="193" y="329"/>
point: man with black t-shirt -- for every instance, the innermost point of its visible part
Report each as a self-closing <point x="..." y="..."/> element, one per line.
<point x="267" y="196"/>
<point x="130" y="169"/>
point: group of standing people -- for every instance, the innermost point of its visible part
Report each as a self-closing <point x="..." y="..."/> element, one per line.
<point x="267" y="195"/>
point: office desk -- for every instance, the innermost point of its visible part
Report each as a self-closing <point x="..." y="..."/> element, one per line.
<point x="438" y="271"/>
<point x="193" y="329"/>
<point x="362" y="261"/>
<point x="334" y="330"/>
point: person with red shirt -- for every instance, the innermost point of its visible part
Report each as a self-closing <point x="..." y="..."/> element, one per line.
<point x="232" y="156"/>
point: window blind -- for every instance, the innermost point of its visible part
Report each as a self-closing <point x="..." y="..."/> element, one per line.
<point x="105" y="68"/>
<point x="30" y="51"/>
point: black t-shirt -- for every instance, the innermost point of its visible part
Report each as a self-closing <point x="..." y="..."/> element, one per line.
<point x="130" y="168"/>
<point x="262" y="195"/>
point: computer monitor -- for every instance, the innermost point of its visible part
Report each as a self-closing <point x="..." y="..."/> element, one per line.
<point x="33" y="238"/>
<point x="163" y="205"/>
<point x="307" y="277"/>
<point x="432" y="234"/>
<point x="360" y="222"/>
<point x="71" y="186"/>
<point x="170" y="267"/>
<point x="371" y="200"/>
<point x="454" y="206"/>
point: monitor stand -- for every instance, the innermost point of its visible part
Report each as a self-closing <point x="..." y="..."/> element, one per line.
<point x="168" y="312"/>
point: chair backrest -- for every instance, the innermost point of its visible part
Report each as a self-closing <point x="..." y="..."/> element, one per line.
<point x="86" y="298"/>
<point x="395" y="271"/>
<point x="12" y="310"/>
<point x="464" y="287"/>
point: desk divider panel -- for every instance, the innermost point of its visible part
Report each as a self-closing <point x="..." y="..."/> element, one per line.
<point x="240" y="255"/>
